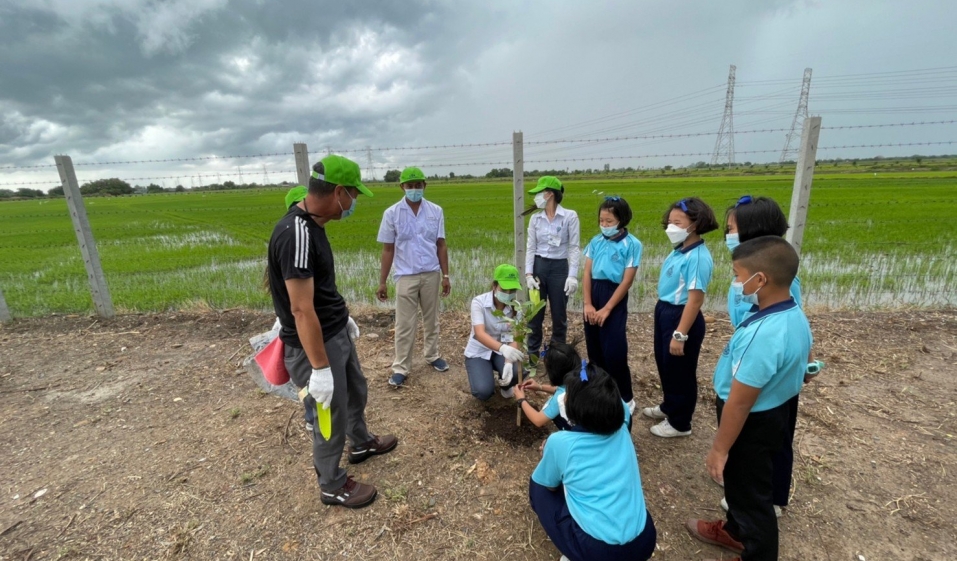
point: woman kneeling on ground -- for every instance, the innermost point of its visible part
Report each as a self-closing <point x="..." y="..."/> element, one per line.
<point x="586" y="490"/>
<point x="491" y="356"/>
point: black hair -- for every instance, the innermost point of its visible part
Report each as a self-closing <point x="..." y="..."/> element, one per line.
<point x="771" y="255"/>
<point x="320" y="187"/>
<point x="559" y="195"/>
<point x="760" y="217"/>
<point x="619" y="207"/>
<point x="595" y="405"/>
<point x="561" y="359"/>
<point x="701" y="215"/>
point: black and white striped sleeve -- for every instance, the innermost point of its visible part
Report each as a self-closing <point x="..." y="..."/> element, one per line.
<point x="292" y="248"/>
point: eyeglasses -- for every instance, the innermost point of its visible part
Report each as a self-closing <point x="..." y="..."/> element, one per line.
<point x="613" y="198"/>
<point x="745" y="200"/>
<point x="683" y="206"/>
<point x="584" y="374"/>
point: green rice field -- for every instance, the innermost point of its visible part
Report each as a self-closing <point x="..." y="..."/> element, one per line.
<point x="881" y="241"/>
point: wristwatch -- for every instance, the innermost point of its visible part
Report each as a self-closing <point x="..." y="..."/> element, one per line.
<point x="521" y="401"/>
<point x="679" y="336"/>
<point x="814" y="367"/>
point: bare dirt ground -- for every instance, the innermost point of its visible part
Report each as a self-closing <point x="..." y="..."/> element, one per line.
<point x="141" y="438"/>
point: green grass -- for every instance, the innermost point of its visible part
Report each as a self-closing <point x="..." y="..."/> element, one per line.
<point x="871" y="241"/>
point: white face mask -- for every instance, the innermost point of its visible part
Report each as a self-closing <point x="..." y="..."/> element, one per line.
<point x="676" y="233"/>
<point x="540" y="200"/>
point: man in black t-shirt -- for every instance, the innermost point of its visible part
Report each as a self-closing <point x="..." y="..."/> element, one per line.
<point x="317" y="331"/>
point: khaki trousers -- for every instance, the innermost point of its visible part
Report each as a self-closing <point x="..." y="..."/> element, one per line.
<point x="415" y="294"/>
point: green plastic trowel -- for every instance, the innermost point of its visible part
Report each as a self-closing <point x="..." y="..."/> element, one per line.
<point x="323" y="415"/>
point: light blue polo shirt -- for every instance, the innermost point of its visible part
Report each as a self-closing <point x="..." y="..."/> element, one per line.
<point x="555" y="404"/>
<point x="768" y="351"/>
<point x="738" y="309"/>
<point x="601" y="481"/>
<point x="610" y="257"/>
<point x="687" y="268"/>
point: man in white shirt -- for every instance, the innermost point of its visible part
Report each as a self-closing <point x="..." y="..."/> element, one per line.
<point x="412" y="234"/>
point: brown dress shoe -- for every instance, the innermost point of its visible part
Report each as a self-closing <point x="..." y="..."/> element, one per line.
<point x="378" y="445"/>
<point x="714" y="533"/>
<point x="351" y="495"/>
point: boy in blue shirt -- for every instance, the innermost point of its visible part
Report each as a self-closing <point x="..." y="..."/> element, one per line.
<point x="586" y="490"/>
<point x="761" y="369"/>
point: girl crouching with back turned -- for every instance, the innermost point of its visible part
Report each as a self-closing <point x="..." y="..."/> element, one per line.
<point x="586" y="490"/>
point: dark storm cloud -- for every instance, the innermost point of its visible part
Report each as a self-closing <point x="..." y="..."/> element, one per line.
<point x="133" y="79"/>
<point x="235" y="72"/>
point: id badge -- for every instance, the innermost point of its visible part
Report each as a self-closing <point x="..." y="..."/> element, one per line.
<point x="507" y="338"/>
<point x="554" y="240"/>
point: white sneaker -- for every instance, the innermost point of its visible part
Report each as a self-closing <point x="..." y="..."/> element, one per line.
<point x="564" y="558"/>
<point x="631" y="407"/>
<point x="654" y="413"/>
<point x="777" y="509"/>
<point x="507" y="393"/>
<point x="665" y="430"/>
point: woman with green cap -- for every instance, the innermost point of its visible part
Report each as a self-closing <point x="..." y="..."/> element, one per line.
<point x="492" y="355"/>
<point x="552" y="254"/>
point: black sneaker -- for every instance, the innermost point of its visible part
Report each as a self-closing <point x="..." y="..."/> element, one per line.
<point x="351" y="495"/>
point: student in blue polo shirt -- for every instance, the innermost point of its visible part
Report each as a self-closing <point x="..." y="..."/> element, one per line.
<point x="750" y="218"/>
<point x="559" y="360"/>
<point x="679" y="325"/>
<point x="761" y="369"/>
<point x="611" y="262"/>
<point x="586" y="490"/>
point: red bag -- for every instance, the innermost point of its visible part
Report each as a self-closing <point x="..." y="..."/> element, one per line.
<point x="270" y="361"/>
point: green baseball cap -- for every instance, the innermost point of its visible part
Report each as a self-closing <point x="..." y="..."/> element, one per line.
<point x="340" y="170"/>
<point x="295" y="195"/>
<point x="548" y="182"/>
<point x="507" y="277"/>
<point x="411" y="174"/>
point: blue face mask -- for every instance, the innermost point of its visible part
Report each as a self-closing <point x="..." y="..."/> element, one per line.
<point x="414" y="195"/>
<point x="731" y="240"/>
<point x="738" y="289"/>
<point x="504" y="297"/>
<point x="347" y="212"/>
<point x="609" y="231"/>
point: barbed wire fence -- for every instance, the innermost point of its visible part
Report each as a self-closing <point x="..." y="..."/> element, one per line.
<point x="620" y="137"/>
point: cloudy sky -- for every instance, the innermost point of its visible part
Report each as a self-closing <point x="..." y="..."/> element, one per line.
<point x="129" y="80"/>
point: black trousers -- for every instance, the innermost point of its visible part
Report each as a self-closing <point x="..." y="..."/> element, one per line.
<point x="747" y="482"/>
<point x="678" y="374"/>
<point x="607" y="344"/>
<point x="551" y="274"/>
<point x="783" y="460"/>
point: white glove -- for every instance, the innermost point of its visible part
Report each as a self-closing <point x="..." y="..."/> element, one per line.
<point x="531" y="282"/>
<point x="321" y="386"/>
<point x="511" y="354"/>
<point x="571" y="285"/>
<point x="506" y="378"/>
<point x="352" y="329"/>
